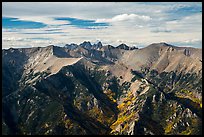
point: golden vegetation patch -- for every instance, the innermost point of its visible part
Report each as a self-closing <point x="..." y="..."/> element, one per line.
<point x="110" y="95"/>
<point x="125" y="116"/>
<point x="190" y="95"/>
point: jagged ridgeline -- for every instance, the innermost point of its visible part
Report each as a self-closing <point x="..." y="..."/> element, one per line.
<point x="102" y="90"/>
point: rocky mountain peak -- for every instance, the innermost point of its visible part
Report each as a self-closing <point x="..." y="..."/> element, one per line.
<point x="123" y="46"/>
<point x="158" y="45"/>
<point x="97" y="45"/>
<point x="86" y="45"/>
<point x="165" y="44"/>
<point x="71" y="46"/>
<point x="126" y="47"/>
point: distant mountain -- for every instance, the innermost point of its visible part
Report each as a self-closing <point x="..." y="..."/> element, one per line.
<point x="102" y="90"/>
<point x="125" y="47"/>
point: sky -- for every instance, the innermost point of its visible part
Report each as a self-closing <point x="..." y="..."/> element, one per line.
<point x="39" y="24"/>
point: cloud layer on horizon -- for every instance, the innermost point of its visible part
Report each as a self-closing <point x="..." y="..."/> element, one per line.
<point x="137" y="23"/>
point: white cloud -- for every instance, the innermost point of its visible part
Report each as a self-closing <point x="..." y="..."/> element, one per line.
<point x="42" y="19"/>
<point x="160" y="30"/>
<point x="196" y="40"/>
<point x="125" y="17"/>
<point x="193" y="21"/>
<point x="132" y="23"/>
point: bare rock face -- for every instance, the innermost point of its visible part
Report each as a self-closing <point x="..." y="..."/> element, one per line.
<point x="187" y="52"/>
<point x="101" y="90"/>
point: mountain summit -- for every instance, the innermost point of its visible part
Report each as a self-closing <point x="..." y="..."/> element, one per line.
<point x="100" y="89"/>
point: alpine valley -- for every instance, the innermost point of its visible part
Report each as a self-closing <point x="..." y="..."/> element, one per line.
<point x="100" y="89"/>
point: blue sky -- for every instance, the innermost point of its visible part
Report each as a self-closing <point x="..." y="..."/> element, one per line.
<point x="134" y="23"/>
<point x="81" y="23"/>
<point x="14" y="23"/>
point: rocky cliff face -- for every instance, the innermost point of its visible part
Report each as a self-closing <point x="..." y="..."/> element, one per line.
<point x="101" y="90"/>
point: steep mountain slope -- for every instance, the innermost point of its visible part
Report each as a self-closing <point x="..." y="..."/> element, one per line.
<point x="164" y="57"/>
<point x="96" y="89"/>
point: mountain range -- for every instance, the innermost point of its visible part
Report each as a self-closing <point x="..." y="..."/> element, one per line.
<point x="100" y="89"/>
